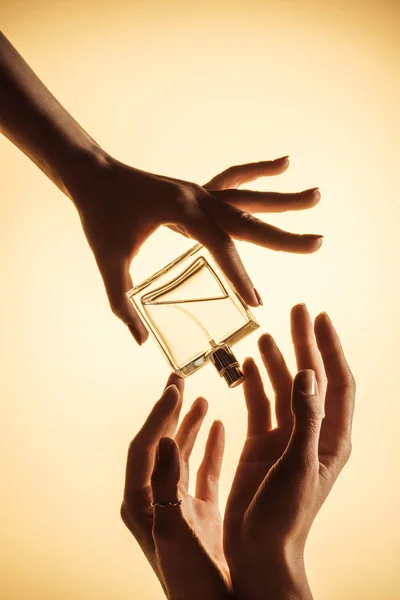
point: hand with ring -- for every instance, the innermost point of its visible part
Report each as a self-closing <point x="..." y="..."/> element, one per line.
<point x="284" y="475"/>
<point x="180" y="534"/>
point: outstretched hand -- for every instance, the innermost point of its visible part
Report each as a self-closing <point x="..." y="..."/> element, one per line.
<point x="183" y="543"/>
<point x="283" y="477"/>
<point x="120" y="207"/>
<point x="285" y="473"/>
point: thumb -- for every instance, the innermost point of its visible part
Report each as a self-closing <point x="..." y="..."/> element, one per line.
<point x="187" y="569"/>
<point x="164" y="484"/>
<point x="308" y="413"/>
<point x="117" y="281"/>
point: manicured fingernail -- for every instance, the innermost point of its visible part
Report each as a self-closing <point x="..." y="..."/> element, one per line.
<point x="135" y="334"/>
<point x="305" y="382"/>
<point x="164" y="449"/>
<point x="311" y="190"/>
<point x="260" y="302"/>
<point x="312" y="236"/>
<point x="281" y="158"/>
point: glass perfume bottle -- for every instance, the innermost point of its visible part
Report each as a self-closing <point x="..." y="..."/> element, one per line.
<point x="194" y="315"/>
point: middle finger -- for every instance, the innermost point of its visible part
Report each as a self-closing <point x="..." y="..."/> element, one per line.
<point x="305" y="345"/>
<point x="280" y="377"/>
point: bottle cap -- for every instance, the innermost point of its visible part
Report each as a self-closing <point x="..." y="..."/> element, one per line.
<point x="227" y="365"/>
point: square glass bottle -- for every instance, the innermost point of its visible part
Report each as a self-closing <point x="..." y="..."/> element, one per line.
<point x="194" y="314"/>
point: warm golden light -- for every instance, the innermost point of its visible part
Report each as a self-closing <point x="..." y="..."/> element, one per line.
<point x="187" y="90"/>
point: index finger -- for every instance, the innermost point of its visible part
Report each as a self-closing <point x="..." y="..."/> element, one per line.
<point x="117" y="281"/>
<point x="270" y="202"/>
<point x="239" y="174"/>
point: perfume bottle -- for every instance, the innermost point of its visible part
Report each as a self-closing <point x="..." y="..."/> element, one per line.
<point x="194" y="315"/>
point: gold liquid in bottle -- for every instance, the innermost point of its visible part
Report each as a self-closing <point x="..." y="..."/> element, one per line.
<point x="194" y="315"/>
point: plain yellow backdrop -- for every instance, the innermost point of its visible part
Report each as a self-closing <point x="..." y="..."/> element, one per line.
<point x="188" y="89"/>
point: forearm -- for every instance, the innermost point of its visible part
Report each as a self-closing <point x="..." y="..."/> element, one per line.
<point x="32" y="118"/>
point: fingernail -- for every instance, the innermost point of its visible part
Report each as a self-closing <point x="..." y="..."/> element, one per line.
<point x="260" y="302"/>
<point x="281" y="158"/>
<point x="135" y="334"/>
<point x="164" y="449"/>
<point x="312" y="236"/>
<point x="305" y="382"/>
<point x="311" y="190"/>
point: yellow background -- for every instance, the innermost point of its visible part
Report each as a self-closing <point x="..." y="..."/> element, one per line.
<point x="187" y="90"/>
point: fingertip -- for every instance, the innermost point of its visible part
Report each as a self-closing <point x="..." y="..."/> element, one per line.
<point x="165" y="442"/>
<point x="170" y="396"/>
<point x="166" y="447"/>
<point x="281" y="164"/>
<point x="325" y="330"/>
<point x="167" y="460"/>
<point x="200" y="404"/>
<point x="140" y="334"/>
<point x="218" y="430"/>
<point x="248" y="365"/>
<point x="265" y="342"/>
<point x="323" y="315"/>
<point x="311" y="197"/>
<point x="166" y="472"/>
<point x="218" y="423"/>
<point x="298" y="308"/>
<point x="313" y="242"/>
<point x="322" y="320"/>
<point x="315" y="195"/>
<point x="282" y="159"/>
<point x="177" y="380"/>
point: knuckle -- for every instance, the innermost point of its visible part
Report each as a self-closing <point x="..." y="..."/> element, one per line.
<point x="134" y="515"/>
<point x="211" y="478"/>
<point x="352" y="383"/>
<point x="226" y="244"/>
<point x="314" y="421"/>
<point x="346" y="385"/>
<point x="345" y="450"/>
<point x="248" y="218"/>
<point x="183" y="194"/>
<point x="195" y="189"/>
<point x="129" y="519"/>
<point x="133" y="446"/>
<point x="137" y="452"/>
<point x="124" y="513"/>
<point x="339" y="457"/>
<point x="116" y="308"/>
<point x="323" y="381"/>
<point x="230" y="171"/>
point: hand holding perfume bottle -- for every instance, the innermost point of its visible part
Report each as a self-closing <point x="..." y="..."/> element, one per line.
<point x="121" y="206"/>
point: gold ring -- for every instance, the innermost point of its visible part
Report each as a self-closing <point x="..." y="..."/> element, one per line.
<point x="166" y="504"/>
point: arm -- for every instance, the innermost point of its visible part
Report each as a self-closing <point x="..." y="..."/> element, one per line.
<point x="286" y="473"/>
<point x="32" y="118"/>
<point x="120" y="206"/>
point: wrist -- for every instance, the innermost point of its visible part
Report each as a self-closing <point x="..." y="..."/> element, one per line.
<point x="277" y="578"/>
<point x="82" y="168"/>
